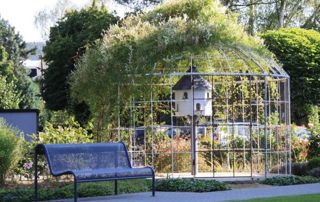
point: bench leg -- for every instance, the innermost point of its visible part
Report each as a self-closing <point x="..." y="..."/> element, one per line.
<point x="153" y="185"/>
<point x="75" y="190"/>
<point x="116" y="187"/>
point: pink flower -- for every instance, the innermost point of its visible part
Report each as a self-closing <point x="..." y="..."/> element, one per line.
<point x="28" y="166"/>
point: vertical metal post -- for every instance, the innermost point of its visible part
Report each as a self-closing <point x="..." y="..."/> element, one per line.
<point x="286" y="152"/>
<point x="134" y="132"/>
<point x="243" y="120"/>
<point x="250" y="127"/>
<point x="171" y="130"/>
<point x="227" y="124"/>
<point x="119" y="136"/>
<point x="194" y="151"/>
<point x="36" y="175"/>
<point x="144" y="134"/>
<point x="233" y="152"/>
<point x="115" y="187"/>
<point x="233" y="131"/>
<point x="213" y="131"/>
<point x="75" y="190"/>
<point x="265" y="127"/>
<point x="152" y="129"/>
<point x="258" y="123"/>
<point x="270" y="124"/>
<point x="153" y="184"/>
<point x="194" y="133"/>
<point x="289" y="126"/>
<point x="277" y="131"/>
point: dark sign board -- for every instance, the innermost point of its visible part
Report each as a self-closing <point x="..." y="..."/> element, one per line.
<point x="24" y="120"/>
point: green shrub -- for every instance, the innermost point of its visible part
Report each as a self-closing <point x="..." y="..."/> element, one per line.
<point x="10" y="146"/>
<point x="69" y="132"/>
<point x="298" y="50"/>
<point x="315" y="172"/>
<point x="84" y="190"/>
<point x="313" y="163"/>
<point x="190" y="185"/>
<point x="299" y="169"/>
<point x="314" y="146"/>
<point x="291" y="180"/>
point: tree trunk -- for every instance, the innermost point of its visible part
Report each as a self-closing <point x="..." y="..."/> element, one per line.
<point x="251" y="18"/>
<point x="281" y="12"/>
<point x="2" y="179"/>
<point x="100" y="122"/>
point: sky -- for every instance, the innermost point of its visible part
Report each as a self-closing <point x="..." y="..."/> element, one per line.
<point x="20" y="14"/>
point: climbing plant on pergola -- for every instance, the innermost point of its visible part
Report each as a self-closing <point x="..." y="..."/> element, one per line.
<point x="127" y="80"/>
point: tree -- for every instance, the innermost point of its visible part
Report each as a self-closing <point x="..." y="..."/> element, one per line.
<point x="299" y="52"/>
<point x="313" y="21"/>
<point x="262" y="15"/>
<point x="138" y="4"/>
<point x="10" y="98"/>
<point x="13" y="43"/>
<point x="45" y="19"/>
<point x="67" y="42"/>
<point x="13" y="52"/>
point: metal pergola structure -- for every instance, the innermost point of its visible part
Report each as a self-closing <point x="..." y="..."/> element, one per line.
<point x="247" y="135"/>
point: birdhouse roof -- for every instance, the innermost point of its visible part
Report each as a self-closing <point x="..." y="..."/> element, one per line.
<point x="185" y="83"/>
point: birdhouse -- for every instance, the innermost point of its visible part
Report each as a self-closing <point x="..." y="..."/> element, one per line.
<point x="192" y="95"/>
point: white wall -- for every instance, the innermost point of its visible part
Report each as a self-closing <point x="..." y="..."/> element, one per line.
<point x="184" y="106"/>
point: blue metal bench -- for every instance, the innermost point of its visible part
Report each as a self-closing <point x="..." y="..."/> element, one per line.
<point x="90" y="163"/>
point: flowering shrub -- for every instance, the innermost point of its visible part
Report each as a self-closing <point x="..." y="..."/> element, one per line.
<point x="28" y="168"/>
<point x="25" y="166"/>
<point x="28" y="165"/>
<point x="10" y="150"/>
<point x="68" y="132"/>
<point x="299" y="149"/>
<point x="180" y="151"/>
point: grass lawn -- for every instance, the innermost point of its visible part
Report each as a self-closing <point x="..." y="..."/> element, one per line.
<point x="299" y="198"/>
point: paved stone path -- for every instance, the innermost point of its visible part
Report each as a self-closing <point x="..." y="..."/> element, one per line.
<point x="235" y="194"/>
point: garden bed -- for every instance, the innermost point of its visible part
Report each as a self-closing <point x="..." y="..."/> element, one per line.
<point x="53" y="191"/>
<point x="190" y="185"/>
<point x="290" y="180"/>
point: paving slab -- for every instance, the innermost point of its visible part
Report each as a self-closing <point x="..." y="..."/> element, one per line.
<point x="230" y="195"/>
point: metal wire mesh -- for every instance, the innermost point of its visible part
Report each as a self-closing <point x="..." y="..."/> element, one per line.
<point x="246" y="133"/>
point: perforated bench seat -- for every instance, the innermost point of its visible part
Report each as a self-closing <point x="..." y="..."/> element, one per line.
<point x="102" y="174"/>
<point x="90" y="162"/>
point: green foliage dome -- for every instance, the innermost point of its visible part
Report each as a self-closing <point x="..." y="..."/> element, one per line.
<point x="176" y="30"/>
<point x="163" y="41"/>
<point x="181" y="29"/>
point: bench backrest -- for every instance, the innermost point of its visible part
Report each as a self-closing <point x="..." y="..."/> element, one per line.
<point x="84" y="157"/>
